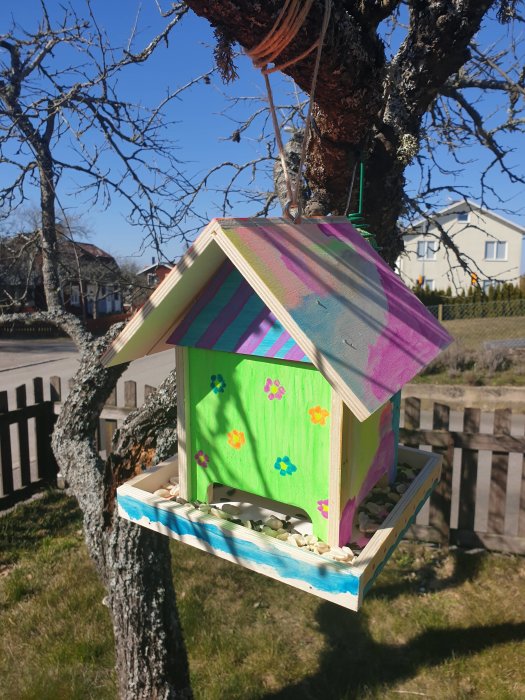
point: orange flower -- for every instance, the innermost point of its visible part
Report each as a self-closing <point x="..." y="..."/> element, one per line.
<point x="236" y="439"/>
<point x="318" y="415"/>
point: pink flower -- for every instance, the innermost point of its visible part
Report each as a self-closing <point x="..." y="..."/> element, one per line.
<point x="322" y="507"/>
<point x="202" y="459"/>
<point x="274" y="389"/>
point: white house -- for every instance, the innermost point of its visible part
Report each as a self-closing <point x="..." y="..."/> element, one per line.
<point x="490" y="243"/>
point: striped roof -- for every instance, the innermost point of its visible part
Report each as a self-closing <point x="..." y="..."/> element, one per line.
<point x="318" y="282"/>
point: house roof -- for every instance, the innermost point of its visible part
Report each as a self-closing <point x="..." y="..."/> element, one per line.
<point x="155" y="266"/>
<point x="91" y="249"/>
<point x="344" y="307"/>
<point x="466" y="206"/>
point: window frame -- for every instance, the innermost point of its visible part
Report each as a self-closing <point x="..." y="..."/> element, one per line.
<point x="495" y="246"/>
<point x="428" y="247"/>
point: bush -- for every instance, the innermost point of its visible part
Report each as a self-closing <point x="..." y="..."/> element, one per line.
<point x="493" y="361"/>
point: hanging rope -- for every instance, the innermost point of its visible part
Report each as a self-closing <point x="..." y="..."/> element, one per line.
<point x="289" y="21"/>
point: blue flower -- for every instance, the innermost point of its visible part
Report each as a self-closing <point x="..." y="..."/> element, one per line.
<point x="217" y="383"/>
<point x="284" y="466"/>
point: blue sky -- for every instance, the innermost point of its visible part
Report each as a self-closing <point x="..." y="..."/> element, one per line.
<point x="199" y="129"/>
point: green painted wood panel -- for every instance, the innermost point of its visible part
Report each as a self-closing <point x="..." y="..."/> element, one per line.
<point x="260" y="425"/>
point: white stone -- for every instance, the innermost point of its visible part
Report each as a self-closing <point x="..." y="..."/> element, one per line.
<point x="321" y="547"/>
<point x="274" y="523"/>
<point x="163" y="493"/>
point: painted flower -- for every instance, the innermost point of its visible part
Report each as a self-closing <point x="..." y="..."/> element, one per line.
<point x="284" y="466"/>
<point x="236" y="439"/>
<point x="322" y="507"/>
<point x="274" y="389"/>
<point x="318" y="415"/>
<point x="202" y="459"/>
<point x="217" y="383"/>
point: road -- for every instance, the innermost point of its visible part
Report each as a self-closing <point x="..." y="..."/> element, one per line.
<point x="22" y="360"/>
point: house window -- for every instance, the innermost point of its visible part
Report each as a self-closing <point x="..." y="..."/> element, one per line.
<point x="429" y="284"/>
<point x="495" y="250"/>
<point x="463" y="216"/>
<point x="153" y="280"/>
<point x="75" y="296"/>
<point x="426" y="250"/>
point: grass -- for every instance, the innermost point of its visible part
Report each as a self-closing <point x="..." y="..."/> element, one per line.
<point x="470" y="336"/>
<point x="437" y="624"/>
<point x="473" y="332"/>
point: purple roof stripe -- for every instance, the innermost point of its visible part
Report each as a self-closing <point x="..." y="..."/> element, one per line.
<point x="295" y="354"/>
<point x="285" y="337"/>
<point x="209" y="292"/>
<point x="255" y="333"/>
<point x="227" y="316"/>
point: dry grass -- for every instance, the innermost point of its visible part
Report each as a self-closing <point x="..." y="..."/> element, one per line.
<point x="467" y="361"/>
<point x="438" y="625"/>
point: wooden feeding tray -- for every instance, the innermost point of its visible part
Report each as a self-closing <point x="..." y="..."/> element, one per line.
<point x="341" y="582"/>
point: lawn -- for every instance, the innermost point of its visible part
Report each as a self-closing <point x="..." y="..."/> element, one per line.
<point x="437" y="624"/>
<point x="467" y="361"/>
<point x="473" y="332"/>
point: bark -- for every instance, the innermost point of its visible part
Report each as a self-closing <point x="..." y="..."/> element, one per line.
<point x="49" y="231"/>
<point x="365" y="108"/>
<point x="133" y="562"/>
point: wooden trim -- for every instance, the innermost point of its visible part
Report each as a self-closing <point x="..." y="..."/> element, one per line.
<point x="183" y="422"/>
<point x="335" y="466"/>
<point x="282" y="315"/>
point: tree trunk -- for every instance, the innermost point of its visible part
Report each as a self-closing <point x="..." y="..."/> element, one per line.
<point x="133" y="563"/>
<point x="151" y="659"/>
<point x="49" y="233"/>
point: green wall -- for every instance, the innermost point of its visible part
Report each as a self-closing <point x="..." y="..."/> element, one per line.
<point x="273" y="430"/>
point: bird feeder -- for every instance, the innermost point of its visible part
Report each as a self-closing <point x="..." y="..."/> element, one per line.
<point x="293" y="342"/>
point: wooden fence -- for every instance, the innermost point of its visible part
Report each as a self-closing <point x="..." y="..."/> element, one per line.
<point x="27" y="461"/>
<point x="480" y="500"/>
<point x="489" y="505"/>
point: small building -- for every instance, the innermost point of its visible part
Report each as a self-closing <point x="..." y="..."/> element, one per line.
<point x="90" y="279"/>
<point x="491" y="244"/>
<point x="292" y="345"/>
<point x="89" y="276"/>
<point x="154" y="274"/>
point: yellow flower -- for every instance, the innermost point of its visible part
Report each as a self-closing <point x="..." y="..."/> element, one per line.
<point x="318" y="415"/>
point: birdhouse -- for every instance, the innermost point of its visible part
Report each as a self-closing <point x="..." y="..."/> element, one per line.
<point x="292" y="345"/>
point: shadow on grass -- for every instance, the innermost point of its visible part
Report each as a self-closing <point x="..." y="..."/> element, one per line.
<point x="25" y="528"/>
<point x="466" y="568"/>
<point x="353" y="662"/>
